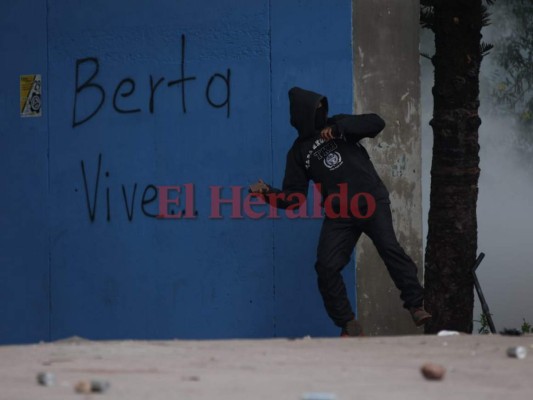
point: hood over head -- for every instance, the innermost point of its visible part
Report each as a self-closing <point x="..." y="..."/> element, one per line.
<point x="305" y="117"/>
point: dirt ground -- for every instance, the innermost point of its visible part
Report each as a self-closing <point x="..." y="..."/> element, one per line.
<point x="360" y="368"/>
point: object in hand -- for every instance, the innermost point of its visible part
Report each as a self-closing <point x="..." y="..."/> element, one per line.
<point x="259" y="187"/>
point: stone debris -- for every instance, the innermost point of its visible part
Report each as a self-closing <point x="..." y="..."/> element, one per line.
<point x="448" y="333"/>
<point x="46" y="378"/>
<point x="433" y="372"/>
<point x="99" y="386"/>
<point x="95" y="386"/>
<point x="83" y="387"/>
<point x="519" y="352"/>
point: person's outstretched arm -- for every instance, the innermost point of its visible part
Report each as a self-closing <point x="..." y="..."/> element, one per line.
<point x="295" y="182"/>
<point x="356" y="127"/>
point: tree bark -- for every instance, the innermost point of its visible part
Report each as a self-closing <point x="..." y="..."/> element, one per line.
<point x="452" y="234"/>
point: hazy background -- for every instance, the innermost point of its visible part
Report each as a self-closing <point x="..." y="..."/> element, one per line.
<point x="505" y="218"/>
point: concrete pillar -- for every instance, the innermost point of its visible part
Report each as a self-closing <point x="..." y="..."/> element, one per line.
<point x="386" y="81"/>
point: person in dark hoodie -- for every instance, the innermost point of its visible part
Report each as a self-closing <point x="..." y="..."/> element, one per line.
<point x="328" y="152"/>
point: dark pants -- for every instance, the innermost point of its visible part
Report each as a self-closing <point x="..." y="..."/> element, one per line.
<point x="336" y="243"/>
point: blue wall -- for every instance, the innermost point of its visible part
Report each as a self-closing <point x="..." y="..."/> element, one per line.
<point x="179" y="92"/>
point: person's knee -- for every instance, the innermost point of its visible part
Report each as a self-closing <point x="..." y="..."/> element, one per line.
<point x="321" y="268"/>
<point x="331" y="267"/>
<point x="388" y="246"/>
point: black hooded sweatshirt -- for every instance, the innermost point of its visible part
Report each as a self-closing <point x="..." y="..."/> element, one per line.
<point x="329" y="163"/>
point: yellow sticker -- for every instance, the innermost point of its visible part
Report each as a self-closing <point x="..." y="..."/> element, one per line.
<point x="30" y="95"/>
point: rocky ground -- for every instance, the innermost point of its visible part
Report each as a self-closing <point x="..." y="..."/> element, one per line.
<point x="477" y="367"/>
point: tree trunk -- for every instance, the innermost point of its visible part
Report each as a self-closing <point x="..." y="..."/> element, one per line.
<point x="452" y="234"/>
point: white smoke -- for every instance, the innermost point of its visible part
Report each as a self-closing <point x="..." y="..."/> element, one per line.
<point x="505" y="217"/>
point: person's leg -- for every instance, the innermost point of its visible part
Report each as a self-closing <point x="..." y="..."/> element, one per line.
<point x="336" y="243"/>
<point x="402" y="269"/>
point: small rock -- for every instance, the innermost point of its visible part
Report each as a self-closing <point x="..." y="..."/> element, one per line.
<point x="448" y="333"/>
<point x="99" y="386"/>
<point x="519" y="352"/>
<point x="83" y="387"/>
<point x="46" y="378"/>
<point x="433" y="372"/>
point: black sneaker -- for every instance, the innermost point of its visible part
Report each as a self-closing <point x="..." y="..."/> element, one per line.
<point x="352" y="329"/>
<point x="419" y="315"/>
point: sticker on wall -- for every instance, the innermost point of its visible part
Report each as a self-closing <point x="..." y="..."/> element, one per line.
<point x="30" y="95"/>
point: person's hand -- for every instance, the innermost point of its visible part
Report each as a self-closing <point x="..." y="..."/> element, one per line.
<point x="327" y="133"/>
<point x="259" y="187"/>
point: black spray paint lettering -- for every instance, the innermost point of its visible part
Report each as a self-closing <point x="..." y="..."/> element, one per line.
<point x="183" y="79"/>
<point x="149" y="195"/>
<point x="226" y="80"/>
<point x="88" y="84"/>
<point x="125" y="89"/>
<point x="131" y="83"/>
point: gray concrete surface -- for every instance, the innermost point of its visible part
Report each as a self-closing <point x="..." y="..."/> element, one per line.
<point x="359" y="368"/>
<point x="387" y="82"/>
